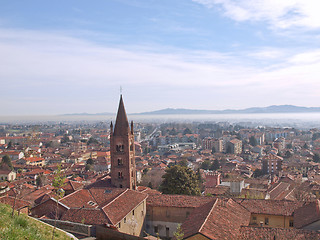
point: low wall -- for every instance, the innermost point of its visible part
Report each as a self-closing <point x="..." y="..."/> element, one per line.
<point x="107" y="233"/>
<point x="78" y="228"/>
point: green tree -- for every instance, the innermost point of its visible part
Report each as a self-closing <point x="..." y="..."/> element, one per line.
<point x="65" y="139"/>
<point x="315" y="136"/>
<point x="173" y="132"/>
<point x="200" y="180"/>
<point x="187" y="131"/>
<point x="205" y="165"/>
<point x="316" y="158"/>
<point x="183" y="163"/>
<point x="178" y="234"/>
<point x="6" y="160"/>
<point x="49" y="144"/>
<point x="90" y="161"/>
<point x="41" y="180"/>
<point x="213" y="150"/>
<point x="215" y="165"/>
<point x="88" y="167"/>
<point x="58" y="182"/>
<point x="229" y="149"/>
<point x="92" y="141"/>
<point x="253" y="141"/>
<point x="288" y="154"/>
<point x="289" y="146"/>
<point x="180" y="180"/>
<point x="9" y="145"/>
<point x="257" y="173"/>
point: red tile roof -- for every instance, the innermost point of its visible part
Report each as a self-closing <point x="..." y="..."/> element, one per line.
<point x="307" y="214"/>
<point x="257" y="233"/>
<point x="166" y="200"/>
<point x="218" y="219"/>
<point x="94" y="216"/>
<point x="110" y="205"/>
<point x="118" y="208"/>
<point x="272" y="207"/>
<point x="18" y="202"/>
<point x="34" y="159"/>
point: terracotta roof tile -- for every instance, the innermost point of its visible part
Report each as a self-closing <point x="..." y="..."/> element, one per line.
<point x="307" y="214"/>
<point x="10" y="201"/>
<point x="257" y="233"/>
<point x="118" y="208"/>
<point x="218" y="219"/>
<point x="166" y="200"/>
<point x="94" y="216"/>
<point x="273" y="207"/>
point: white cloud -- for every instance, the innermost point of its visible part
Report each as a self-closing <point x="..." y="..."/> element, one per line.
<point x="58" y="70"/>
<point x="281" y="14"/>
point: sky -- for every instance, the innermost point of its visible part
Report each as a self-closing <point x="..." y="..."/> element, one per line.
<point x="73" y="56"/>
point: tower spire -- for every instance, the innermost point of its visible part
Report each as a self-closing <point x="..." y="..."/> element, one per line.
<point x="123" y="167"/>
<point x="122" y="124"/>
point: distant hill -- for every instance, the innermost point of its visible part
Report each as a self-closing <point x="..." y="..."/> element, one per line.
<point x="270" y="109"/>
<point x="169" y="111"/>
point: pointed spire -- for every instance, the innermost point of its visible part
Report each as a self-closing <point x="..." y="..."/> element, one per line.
<point x="111" y="128"/>
<point x="122" y="126"/>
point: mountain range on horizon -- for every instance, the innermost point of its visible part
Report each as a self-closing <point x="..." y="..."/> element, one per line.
<point x="252" y="110"/>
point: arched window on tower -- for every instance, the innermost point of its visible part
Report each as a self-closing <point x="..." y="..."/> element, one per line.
<point x="120" y="176"/>
<point x="119" y="147"/>
<point x="120" y="162"/>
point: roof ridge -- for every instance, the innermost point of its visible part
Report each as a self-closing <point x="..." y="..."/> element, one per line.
<point x="215" y="203"/>
<point x="115" y="198"/>
<point x="110" y="203"/>
<point x="275" y="187"/>
<point x="93" y="196"/>
<point x="134" y="207"/>
<point x="70" y="194"/>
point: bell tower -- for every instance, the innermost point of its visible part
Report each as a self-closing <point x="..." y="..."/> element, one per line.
<point x="123" y="167"/>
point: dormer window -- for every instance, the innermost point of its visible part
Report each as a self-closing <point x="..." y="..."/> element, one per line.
<point x="91" y="203"/>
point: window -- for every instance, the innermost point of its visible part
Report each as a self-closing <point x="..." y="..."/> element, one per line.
<point x="119" y="225"/>
<point x="156" y="230"/>
<point x="120" y="176"/>
<point x="124" y="220"/>
<point x="168" y="213"/>
<point x="120" y="186"/>
<point x="131" y="147"/>
<point x="133" y="212"/>
<point x="266" y="221"/>
<point x="254" y="218"/>
<point x="120" y="162"/>
<point x="167" y="232"/>
<point x="290" y="223"/>
<point x="187" y="214"/>
<point x="91" y="203"/>
<point x="120" y="148"/>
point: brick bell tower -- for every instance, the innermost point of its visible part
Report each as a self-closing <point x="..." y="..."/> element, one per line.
<point x="123" y="166"/>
